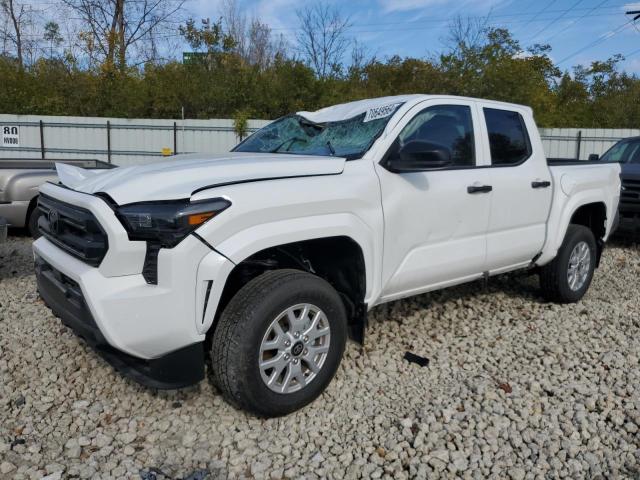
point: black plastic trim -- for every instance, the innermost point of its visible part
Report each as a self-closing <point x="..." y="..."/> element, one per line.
<point x="195" y="234"/>
<point x="75" y="230"/>
<point x="150" y="266"/>
<point x="572" y="161"/>
<point x="479" y="189"/>
<point x="64" y="297"/>
<point x="206" y="298"/>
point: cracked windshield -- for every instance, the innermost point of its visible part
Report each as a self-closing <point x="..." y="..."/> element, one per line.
<point x="294" y="134"/>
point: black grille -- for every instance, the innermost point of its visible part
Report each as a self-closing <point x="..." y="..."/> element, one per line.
<point x="630" y="191"/>
<point x="72" y="228"/>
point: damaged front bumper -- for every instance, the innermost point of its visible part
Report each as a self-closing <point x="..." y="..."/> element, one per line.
<point x="64" y="297"/>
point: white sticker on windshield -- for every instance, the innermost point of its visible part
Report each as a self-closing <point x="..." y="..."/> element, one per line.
<point x="380" y="112"/>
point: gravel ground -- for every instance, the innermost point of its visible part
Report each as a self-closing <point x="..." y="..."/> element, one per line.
<point x="515" y="388"/>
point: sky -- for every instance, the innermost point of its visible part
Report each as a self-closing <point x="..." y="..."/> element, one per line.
<point x="579" y="31"/>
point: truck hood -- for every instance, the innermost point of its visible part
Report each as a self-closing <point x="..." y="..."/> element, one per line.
<point x="186" y="174"/>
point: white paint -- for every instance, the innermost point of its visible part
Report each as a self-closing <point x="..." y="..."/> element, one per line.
<point x="344" y="111"/>
<point x="418" y="231"/>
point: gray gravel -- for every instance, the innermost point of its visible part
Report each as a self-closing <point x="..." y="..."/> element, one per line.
<point x="516" y="388"/>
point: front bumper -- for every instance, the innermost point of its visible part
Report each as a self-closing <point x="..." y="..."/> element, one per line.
<point x="629" y="222"/>
<point x="142" y="329"/>
<point x="64" y="297"/>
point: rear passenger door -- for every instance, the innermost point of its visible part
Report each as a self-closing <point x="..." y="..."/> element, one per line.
<point x="522" y="188"/>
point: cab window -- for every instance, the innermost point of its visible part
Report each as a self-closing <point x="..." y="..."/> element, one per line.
<point x="508" y="138"/>
<point x="448" y="126"/>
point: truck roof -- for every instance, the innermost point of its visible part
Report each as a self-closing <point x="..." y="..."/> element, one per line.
<point x="344" y="111"/>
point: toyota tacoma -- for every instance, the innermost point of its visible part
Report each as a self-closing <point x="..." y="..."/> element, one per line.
<point x="267" y="259"/>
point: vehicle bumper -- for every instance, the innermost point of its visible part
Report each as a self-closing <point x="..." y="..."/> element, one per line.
<point x="64" y="297"/>
<point x="143" y="329"/>
<point x="629" y="219"/>
<point x="15" y="213"/>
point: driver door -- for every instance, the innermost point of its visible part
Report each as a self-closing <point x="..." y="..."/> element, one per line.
<point x="435" y="220"/>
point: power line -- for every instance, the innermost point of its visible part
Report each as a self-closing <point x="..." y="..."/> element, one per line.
<point x="355" y="28"/>
<point x="540" y="12"/>
<point x="576" y="20"/>
<point x="555" y="20"/>
<point x="601" y="39"/>
<point x="615" y="8"/>
<point x="631" y="54"/>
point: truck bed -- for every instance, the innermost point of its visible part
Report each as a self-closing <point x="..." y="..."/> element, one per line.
<point x="572" y="161"/>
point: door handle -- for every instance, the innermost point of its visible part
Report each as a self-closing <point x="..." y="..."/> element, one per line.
<point x="479" y="188"/>
<point x="540" y="184"/>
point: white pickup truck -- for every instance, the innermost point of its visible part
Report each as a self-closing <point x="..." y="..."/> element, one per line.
<point x="269" y="257"/>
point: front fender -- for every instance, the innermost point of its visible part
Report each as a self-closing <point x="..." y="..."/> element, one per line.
<point x="259" y="237"/>
<point x="216" y="267"/>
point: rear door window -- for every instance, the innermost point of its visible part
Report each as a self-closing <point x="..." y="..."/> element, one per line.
<point x="508" y="137"/>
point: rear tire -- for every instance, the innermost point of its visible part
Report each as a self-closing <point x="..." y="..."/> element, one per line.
<point x="567" y="278"/>
<point x="32" y="223"/>
<point x="291" y="319"/>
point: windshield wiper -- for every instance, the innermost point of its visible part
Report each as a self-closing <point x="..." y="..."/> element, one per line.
<point x="331" y="149"/>
<point x="288" y="140"/>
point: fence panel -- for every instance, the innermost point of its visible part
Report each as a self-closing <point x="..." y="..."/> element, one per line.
<point x="564" y="142"/>
<point x="121" y="141"/>
<point x="137" y="141"/>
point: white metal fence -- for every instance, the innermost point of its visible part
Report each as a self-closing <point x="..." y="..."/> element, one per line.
<point x="116" y="140"/>
<point x="136" y="141"/>
<point x="579" y="143"/>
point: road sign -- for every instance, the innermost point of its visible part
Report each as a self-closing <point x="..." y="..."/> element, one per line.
<point x="10" y="136"/>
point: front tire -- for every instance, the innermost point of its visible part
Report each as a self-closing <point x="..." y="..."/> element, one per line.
<point x="279" y="342"/>
<point x="32" y="222"/>
<point x="567" y="278"/>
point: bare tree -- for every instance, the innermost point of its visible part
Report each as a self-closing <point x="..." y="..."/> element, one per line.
<point x="115" y="27"/>
<point x="234" y="22"/>
<point x="322" y="37"/>
<point x="361" y="56"/>
<point x="19" y="16"/>
<point x="466" y="33"/>
<point x="252" y="39"/>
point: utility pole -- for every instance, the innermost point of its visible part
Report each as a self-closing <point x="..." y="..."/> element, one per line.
<point x="636" y="14"/>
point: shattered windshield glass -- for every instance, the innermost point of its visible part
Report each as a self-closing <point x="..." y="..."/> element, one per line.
<point x="296" y="135"/>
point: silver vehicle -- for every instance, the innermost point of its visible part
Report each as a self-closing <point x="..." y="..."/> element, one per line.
<point x="19" y="182"/>
<point x="3" y="230"/>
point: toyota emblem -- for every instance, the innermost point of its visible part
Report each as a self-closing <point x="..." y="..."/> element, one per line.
<point x="54" y="221"/>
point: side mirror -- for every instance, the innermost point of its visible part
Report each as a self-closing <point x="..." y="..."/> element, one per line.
<point x="594" y="157"/>
<point x="418" y="156"/>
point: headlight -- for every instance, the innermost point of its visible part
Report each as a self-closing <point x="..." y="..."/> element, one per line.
<point x="168" y="223"/>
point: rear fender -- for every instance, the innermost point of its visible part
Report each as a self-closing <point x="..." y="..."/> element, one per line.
<point x="562" y="212"/>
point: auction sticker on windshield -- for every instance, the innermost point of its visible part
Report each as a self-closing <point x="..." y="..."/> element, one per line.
<point x="380" y="112"/>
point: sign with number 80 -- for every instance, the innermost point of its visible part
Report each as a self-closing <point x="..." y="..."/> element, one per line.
<point x="10" y="136"/>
